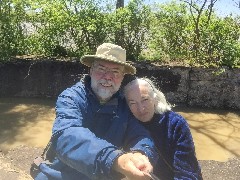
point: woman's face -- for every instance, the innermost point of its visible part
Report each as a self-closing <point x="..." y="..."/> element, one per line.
<point x="140" y="101"/>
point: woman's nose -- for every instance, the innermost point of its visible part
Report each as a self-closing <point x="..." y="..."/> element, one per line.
<point x="141" y="108"/>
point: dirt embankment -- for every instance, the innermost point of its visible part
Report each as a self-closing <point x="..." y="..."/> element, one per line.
<point x="15" y="166"/>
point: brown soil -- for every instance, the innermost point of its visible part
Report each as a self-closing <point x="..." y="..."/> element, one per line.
<point x="16" y="163"/>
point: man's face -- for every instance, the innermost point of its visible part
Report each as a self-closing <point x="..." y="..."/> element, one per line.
<point x="106" y="79"/>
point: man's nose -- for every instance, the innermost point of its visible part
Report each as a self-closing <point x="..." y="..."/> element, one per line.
<point x="108" y="75"/>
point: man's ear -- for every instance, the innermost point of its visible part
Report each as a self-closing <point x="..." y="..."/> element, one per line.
<point x="90" y="71"/>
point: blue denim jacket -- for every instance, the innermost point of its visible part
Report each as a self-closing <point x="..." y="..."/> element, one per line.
<point x="177" y="158"/>
<point x="88" y="136"/>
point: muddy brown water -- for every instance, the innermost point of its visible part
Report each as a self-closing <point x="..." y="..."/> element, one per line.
<point x="216" y="133"/>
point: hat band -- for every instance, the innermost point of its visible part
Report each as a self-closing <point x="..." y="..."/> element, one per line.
<point x="110" y="57"/>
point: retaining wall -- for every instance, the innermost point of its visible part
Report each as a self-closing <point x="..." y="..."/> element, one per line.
<point x="182" y="85"/>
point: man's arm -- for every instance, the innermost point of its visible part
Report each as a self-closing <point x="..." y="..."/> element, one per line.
<point x="75" y="145"/>
<point x="138" y="162"/>
<point x="138" y="139"/>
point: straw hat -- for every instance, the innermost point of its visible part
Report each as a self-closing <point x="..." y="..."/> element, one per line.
<point x="112" y="53"/>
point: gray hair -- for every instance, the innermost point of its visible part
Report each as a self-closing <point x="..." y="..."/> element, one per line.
<point x="161" y="104"/>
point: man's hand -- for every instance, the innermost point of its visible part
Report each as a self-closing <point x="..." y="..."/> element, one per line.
<point x="133" y="166"/>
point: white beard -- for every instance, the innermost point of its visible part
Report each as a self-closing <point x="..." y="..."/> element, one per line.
<point x="104" y="93"/>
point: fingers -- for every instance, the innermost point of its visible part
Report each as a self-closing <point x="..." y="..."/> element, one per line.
<point x="141" y="162"/>
<point x="133" y="166"/>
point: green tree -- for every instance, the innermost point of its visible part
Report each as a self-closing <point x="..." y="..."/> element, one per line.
<point x="170" y="37"/>
<point x="79" y="26"/>
<point x="134" y="19"/>
<point x="199" y="38"/>
<point x="12" y="14"/>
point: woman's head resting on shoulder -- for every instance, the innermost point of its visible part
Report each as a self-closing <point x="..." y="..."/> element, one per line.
<point x="144" y="99"/>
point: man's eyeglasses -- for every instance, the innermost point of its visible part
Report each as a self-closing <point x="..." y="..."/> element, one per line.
<point x="116" y="73"/>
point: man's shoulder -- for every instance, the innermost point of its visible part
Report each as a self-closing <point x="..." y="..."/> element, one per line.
<point x="81" y="85"/>
<point x="76" y="91"/>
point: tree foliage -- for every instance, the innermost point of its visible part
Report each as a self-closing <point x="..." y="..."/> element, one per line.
<point x="134" y="21"/>
<point x="186" y="31"/>
<point x="197" y="37"/>
<point x="12" y="14"/>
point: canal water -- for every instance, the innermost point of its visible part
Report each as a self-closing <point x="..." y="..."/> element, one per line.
<point x="216" y="133"/>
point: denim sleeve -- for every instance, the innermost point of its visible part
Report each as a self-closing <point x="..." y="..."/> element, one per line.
<point x="138" y="139"/>
<point x="185" y="163"/>
<point x="75" y="145"/>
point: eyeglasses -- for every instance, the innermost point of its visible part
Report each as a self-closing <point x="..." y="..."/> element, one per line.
<point x="115" y="73"/>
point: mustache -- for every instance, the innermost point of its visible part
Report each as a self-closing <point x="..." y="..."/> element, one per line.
<point x="108" y="82"/>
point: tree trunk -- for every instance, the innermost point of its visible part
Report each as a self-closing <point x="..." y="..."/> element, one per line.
<point x="120" y="3"/>
<point x="119" y="34"/>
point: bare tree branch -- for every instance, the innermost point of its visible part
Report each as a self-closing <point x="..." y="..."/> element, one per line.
<point x="210" y="8"/>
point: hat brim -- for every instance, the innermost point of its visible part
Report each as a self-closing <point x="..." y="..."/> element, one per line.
<point x="89" y="59"/>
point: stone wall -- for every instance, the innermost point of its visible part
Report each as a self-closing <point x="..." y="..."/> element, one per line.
<point x="198" y="87"/>
<point x="181" y="85"/>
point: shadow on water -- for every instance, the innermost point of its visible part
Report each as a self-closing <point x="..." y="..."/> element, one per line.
<point x="216" y="133"/>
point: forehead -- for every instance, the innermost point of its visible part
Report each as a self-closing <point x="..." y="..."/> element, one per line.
<point x="138" y="91"/>
<point x="108" y="64"/>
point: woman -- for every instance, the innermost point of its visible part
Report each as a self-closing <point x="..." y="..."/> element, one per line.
<point x="170" y="131"/>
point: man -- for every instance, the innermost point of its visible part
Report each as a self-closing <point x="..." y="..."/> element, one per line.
<point x="92" y="131"/>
